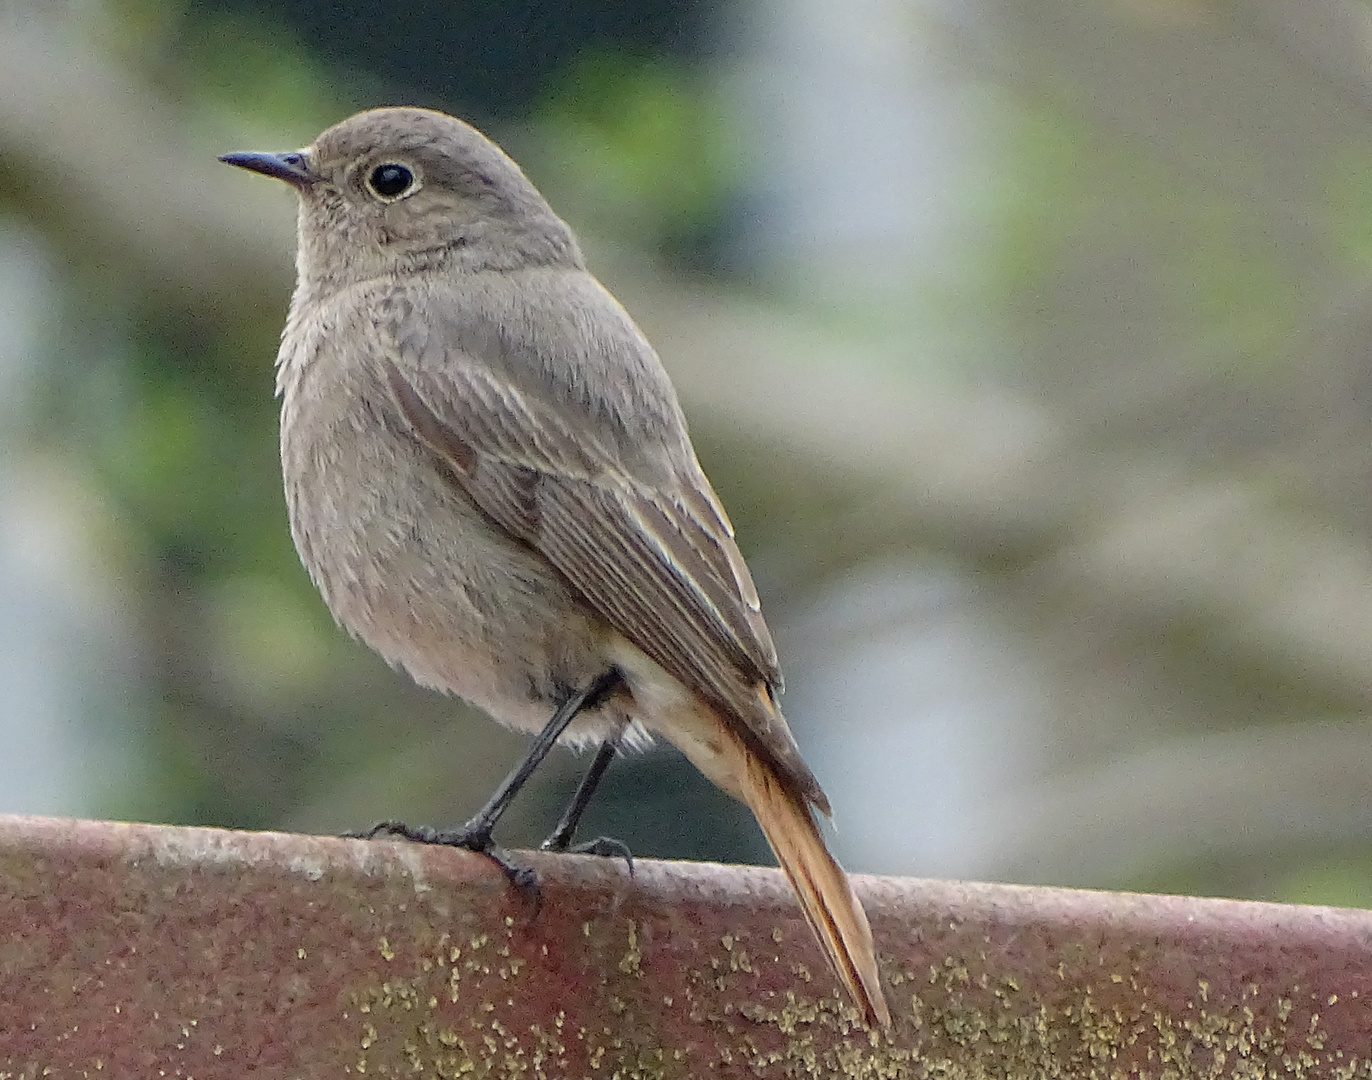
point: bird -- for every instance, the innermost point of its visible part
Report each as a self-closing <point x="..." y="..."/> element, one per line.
<point x="490" y="480"/>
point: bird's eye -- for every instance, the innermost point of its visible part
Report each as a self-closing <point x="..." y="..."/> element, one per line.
<point x="390" y="181"/>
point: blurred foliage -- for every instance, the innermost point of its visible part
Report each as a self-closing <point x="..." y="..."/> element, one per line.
<point x="1350" y="204"/>
<point x="224" y="66"/>
<point x="645" y="148"/>
<point x="1343" y="882"/>
<point x="485" y="59"/>
<point x="1190" y="262"/>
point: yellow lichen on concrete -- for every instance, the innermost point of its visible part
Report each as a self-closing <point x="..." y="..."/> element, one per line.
<point x="632" y="961"/>
<point x="740" y="1010"/>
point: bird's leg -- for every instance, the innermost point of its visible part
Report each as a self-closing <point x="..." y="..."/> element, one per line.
<point x="475" y="835"/>
<point x="561" y="838"/>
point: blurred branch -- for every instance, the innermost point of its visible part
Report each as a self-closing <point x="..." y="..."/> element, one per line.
<point x="1249" y="793"/>
<point x="109" y="168"/>
<point x="1241" y="96"/>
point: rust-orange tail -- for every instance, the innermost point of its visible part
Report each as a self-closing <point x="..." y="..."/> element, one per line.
<point x="826" y="897"/>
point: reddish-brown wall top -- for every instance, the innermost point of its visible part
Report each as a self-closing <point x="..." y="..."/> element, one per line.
<point x="133" y="951"/>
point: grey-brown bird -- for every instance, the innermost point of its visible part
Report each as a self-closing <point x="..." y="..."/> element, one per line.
<point x="490" y="481"/>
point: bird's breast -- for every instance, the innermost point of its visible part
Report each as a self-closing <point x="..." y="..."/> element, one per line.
<point x="408" y="564"/>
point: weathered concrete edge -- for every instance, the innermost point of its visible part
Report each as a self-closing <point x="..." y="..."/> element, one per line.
<point x="139" y="948"/>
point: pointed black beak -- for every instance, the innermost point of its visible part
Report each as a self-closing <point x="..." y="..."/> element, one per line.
<point x="292" y="167"/>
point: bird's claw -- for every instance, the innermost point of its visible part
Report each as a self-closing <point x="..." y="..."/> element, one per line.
<point x="471" y="837"/>
<point x="604" y="846"/>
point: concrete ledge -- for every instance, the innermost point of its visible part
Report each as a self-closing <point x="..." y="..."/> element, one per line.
<point x="141" y="951"/>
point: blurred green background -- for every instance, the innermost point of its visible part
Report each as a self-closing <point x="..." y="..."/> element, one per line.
<point x="1029" y="345"/>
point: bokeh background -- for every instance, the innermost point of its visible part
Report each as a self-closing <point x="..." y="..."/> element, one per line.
<point x="1028" y="343"/>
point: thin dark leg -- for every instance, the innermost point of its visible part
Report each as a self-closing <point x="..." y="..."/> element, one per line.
<point x="475" y="835"/>
<point x="561" y="838"/>
<point x="483" y="822"/>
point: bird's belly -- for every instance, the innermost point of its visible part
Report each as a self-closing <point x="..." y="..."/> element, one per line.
<point x="408" y="564"/>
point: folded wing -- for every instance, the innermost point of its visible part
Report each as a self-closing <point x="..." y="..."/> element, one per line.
<point x="656" y="559"/>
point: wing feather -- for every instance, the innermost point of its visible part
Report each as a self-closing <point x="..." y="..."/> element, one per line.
<point x="657" y="561"/>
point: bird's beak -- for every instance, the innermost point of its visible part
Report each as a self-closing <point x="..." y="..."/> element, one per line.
<point x="292" y="167"/>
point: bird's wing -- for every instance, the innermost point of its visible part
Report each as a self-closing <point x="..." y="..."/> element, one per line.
<point x="657" y="561"/>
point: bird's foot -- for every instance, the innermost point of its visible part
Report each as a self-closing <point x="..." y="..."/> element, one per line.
<point x="474" y="836"/>
<point x="605" y="846"/>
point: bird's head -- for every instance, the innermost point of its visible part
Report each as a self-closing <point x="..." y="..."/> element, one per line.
<point x="399" y="191"/>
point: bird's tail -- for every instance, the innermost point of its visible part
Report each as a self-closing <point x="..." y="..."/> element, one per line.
<point x="826" y="897"/>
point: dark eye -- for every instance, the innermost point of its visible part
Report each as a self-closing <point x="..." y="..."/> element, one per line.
<point x="391" y="180"/>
